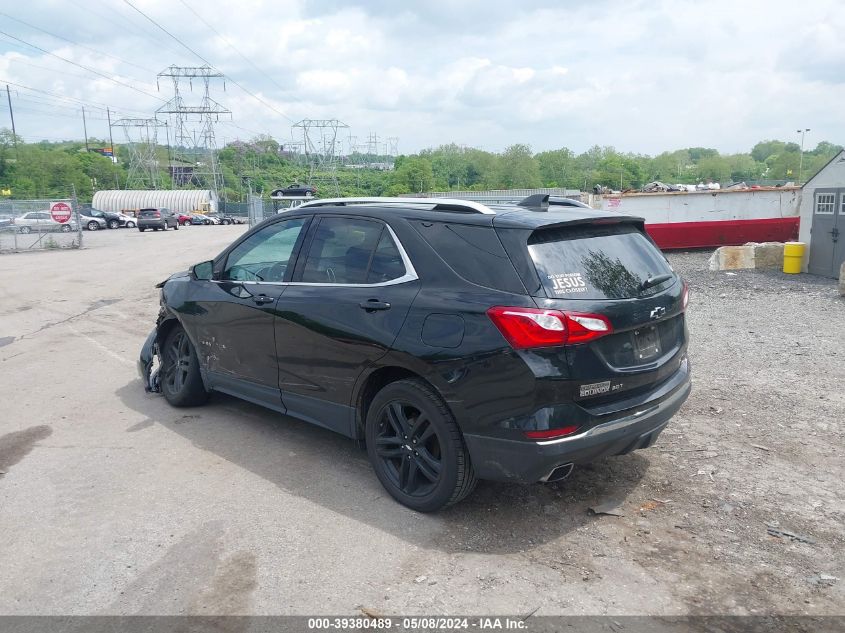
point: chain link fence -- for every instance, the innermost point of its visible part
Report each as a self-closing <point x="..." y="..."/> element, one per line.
<point x="27" y="225"/>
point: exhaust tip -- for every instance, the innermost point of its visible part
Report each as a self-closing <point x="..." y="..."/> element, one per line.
<point x="558" y="473"/>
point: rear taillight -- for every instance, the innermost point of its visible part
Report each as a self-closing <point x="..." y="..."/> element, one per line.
<point x="685" y="298"/>
<point x="526" y="328"/>
<point x="550" y="434"/>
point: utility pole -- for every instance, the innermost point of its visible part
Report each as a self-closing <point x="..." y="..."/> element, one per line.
<point x="85" y="128"/>
<point x="113" y="153"/>
<point x="12" y="115"/>
<point x="800" y="160"/>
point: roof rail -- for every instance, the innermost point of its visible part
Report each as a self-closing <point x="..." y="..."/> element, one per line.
<point x="436" y="204"/>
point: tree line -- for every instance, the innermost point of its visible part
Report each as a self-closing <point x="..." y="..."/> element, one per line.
<point x="53" y="169"/>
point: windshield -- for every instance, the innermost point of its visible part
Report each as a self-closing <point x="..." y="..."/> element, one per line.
<point x="598" y="262"/>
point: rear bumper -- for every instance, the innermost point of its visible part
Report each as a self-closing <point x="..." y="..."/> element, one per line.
<point x="527" y="462"/>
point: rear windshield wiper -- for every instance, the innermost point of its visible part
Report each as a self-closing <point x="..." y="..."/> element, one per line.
<point x="654" y="281"/>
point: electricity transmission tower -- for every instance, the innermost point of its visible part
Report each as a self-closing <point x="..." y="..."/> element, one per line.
<point x="194" y="159"/>
<point x="321" y="147"/>
<point x="141" y="142"/>
<point x="393" y="146"/>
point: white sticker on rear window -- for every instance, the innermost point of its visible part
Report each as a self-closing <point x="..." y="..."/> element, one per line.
<point x="567" y="283"/>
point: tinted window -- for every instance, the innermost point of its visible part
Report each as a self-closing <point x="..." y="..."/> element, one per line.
<point x="264" y="255"/>
<point x="352" y="251"/>
<point x="592" y="262"/>
<point x="474" y="252"/>
<point x="147" y="213"/>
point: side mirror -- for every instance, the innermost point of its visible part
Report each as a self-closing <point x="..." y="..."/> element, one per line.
<point x="203" y="271"/>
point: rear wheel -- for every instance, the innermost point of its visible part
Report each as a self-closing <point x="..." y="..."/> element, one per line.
<point x="114" y="224"/>
<point x="130" y="225"/>
<point x="416" y="447"/>
<point x="66" y="228"/>
<point x="142" y="229"/>
<point x="176" y="227"/>
<point x="26" y="229"/>
<point x="93" y="226"/>
<point x="181" y="382"/>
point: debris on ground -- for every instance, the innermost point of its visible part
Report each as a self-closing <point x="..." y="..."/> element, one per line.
<point x="612" y="507"/>
<point x="420" y="579"/>
<point x="762" y="448"/>
<point x="779" y="533"/>
<point x="822" y="580"/>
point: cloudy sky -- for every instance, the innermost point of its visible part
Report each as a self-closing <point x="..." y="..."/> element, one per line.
<point x="641" y="76"/>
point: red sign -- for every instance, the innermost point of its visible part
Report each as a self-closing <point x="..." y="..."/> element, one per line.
<point x="60" y="212"/>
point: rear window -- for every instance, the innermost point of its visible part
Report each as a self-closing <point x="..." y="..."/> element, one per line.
<point x="597" y="262"/>
<point x="145" y="213"/>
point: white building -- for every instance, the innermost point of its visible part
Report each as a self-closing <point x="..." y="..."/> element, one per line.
<point x="823" y="219"/>
<point x="178" y="200"/>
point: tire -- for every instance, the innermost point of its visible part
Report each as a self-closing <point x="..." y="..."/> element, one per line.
<point x="26" y="229"/>
<point x="142" y="229"/>
<point x="416" y="447"/>
<point x="66" y="228"/>
<point x="181" y="382"/>
<point x="155" y="228"/>
<point x="225" y="222"/>
<point x="130" y="225"/>
<point x="93" y="226"/>
<point x="114" y="224"/>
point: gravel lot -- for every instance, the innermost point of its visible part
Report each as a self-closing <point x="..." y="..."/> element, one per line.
<point x="112" y="502"/>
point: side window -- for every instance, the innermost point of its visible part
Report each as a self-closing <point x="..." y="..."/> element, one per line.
<point x="264" y="255"/>
<point x="352" y="251"/>
<point x="825" y="203"/>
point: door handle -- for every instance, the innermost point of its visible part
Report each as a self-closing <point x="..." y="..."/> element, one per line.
<point x="374" y="304"/>
<point x="262" y="299"/>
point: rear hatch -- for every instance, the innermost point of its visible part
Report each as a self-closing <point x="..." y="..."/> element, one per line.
<point x="149" y="214"/>
<point x="621" y="295"/>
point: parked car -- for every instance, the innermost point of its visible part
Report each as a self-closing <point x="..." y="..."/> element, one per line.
<point x="184" y="219"/>
<point x="224" y="218"/>
<point x="128" y="221"/>
<point x="113" y="220"/>
<point x="6" y="221"/>
<point x="460" y="341"/>
<point x="295" y="190"/>
<point x="91" y="222"/>
<point x="39" y="221"/>
<point x="156" y="219"/>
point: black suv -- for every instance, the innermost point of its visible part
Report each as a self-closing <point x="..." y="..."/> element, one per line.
<point x="459" y="340"/>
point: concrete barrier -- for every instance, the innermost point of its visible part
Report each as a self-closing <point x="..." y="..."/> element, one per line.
<point x="768" y="255"/>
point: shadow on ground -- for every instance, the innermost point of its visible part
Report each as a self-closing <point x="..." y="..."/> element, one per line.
<point x="333" y="472"/>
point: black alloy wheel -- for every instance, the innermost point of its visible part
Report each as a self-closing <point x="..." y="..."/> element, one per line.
<point x="416" y="447"/>
<point x="410" y="449"/>
<point x="181" y="382"/>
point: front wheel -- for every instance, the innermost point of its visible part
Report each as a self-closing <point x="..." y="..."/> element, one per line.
<point x="130" y="225"/>
<point x="416" y="447"/>
<point x="93" y="226"/>
<point x="66" y="228"/>
<point x="176" y="227"/>
<point x="26" y="229"/>
<point x="114" y="224"/>
<point x="181" y="382"/>
<point x="142" y="229"/>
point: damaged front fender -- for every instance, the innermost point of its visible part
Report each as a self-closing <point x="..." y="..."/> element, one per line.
<point x="149" y="363"/>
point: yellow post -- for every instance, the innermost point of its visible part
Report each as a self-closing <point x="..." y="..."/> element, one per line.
<point x="793" y="255"/>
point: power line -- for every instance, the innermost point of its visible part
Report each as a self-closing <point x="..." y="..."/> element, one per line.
<point x="208" y="63"/>
<point x="91" y="70"/>
<point x="60" y="37"/>
<point x="96" y="104"/>
<point x="230" y="45"/>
